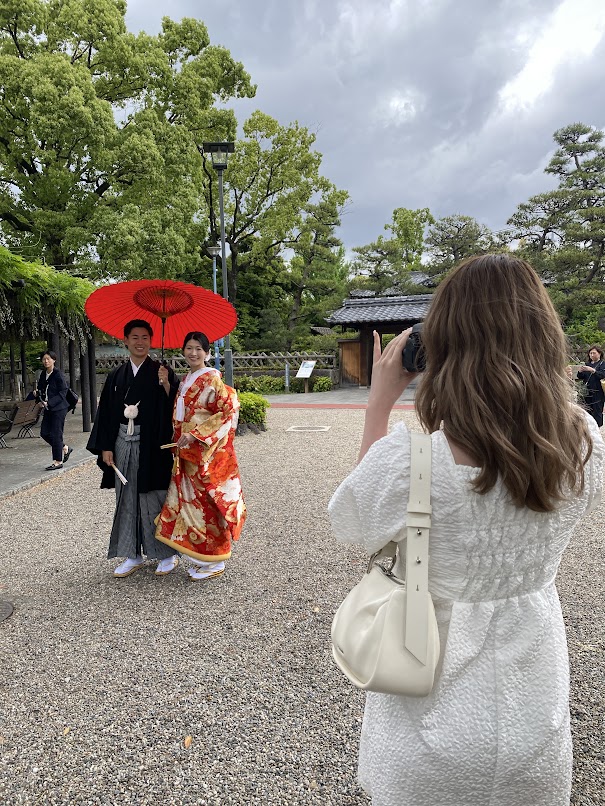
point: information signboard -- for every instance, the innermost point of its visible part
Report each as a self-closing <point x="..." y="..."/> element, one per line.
<point x="305" y="369"/>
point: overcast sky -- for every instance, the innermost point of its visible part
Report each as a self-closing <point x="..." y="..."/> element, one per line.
<point x="416" y="103"/>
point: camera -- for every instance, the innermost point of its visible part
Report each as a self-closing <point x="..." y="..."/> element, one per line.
<point x="413" y="353"/>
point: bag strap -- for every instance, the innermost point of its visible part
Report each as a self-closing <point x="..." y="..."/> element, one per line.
<point x="417" y="547"/>
<point x="418" y="525"/>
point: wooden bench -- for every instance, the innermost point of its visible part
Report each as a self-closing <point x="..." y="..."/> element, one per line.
<point x="24" y="416"/>
<point x="6" y="423"/>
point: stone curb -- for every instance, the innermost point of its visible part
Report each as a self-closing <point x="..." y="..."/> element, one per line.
<point x="28" y="485"/>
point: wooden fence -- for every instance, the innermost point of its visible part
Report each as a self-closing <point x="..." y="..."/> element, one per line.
<point x="243" y="364"/>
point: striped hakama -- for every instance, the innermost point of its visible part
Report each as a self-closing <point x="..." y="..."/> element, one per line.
<point x="133" y="530"/>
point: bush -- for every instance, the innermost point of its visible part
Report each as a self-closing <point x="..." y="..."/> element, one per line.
<point x="276" y="384"/>
<point x="271" y="384"/>
<point x="297" y="385"/>
<point x="322" y="384"/>
<point x="245" y="383"/>
<point x="263" y="384"/>
<point x="253" y="408"/>
<point x="317" y="383"/>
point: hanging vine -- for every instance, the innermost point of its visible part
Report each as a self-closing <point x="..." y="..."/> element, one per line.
<point x="35" y="298"/>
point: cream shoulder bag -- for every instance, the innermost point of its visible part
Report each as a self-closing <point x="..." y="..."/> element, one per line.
<point x="384" y="634"/>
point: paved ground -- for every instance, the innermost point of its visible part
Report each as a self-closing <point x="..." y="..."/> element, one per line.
<point x="352" y="397"/>
<point x="23" y="463"/>
<point x="165" y="692"/>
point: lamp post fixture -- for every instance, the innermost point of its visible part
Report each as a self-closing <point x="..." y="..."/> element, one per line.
<point x="214" y="252"/>
<point x="218" y="153"/>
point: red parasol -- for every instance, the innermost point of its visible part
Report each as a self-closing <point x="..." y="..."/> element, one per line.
<point x="172" y="309"/>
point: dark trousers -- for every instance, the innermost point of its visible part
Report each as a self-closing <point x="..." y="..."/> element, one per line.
<point x="51" y="431"/>
<point x="596" y="409"/>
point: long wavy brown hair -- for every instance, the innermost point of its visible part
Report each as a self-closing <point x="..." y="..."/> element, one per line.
<point x="495" y="377"/>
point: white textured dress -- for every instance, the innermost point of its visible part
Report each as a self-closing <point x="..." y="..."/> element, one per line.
<point x="495" y="729"/>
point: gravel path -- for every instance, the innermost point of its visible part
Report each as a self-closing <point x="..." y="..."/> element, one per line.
<point x="104" y="680"/>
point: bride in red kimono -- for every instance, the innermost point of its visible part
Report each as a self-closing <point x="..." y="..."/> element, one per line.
<point x="204" y="509"/>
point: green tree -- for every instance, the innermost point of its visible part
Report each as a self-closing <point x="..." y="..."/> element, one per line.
<point x="99" y="166"/>
<point x="262" y="301"/>
<point x="409" y="229"/>
<point x="568" y="223"/>
<point x="540" y="223"/>
<point x="562" y="232"/>
<point x="387" y="262"/>
<point x="316" y="277"/>
<point x="454" y="237"/>
<point x="268" y="182"/>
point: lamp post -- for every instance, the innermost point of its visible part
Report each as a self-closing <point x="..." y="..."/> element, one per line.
<point x="218" y="153"/>
<point x="214" y="252"/>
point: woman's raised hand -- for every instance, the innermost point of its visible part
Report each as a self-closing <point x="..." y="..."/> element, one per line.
<point x="389" y="378"/>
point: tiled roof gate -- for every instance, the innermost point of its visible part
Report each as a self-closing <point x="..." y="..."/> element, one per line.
<point x="385" y="314"/>
<point x="374" y="310"/>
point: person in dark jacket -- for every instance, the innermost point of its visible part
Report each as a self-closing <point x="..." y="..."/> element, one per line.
<point x="133" y="420"/>
<point x="592" y="373"/>
<point x="51" y="392"/>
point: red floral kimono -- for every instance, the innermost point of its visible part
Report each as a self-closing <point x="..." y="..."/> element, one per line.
<point x="204" y="508"/>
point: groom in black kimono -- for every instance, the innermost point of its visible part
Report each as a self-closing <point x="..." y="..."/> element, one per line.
<point x="133" y="420"/>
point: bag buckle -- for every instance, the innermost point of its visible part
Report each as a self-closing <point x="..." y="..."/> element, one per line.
<point x="386" y="553"/>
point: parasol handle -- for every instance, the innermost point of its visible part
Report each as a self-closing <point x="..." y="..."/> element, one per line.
<point x="164" y="364"/>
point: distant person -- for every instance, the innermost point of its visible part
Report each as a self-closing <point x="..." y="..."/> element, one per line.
<point x="133" y="421"/>
<point x="591" y="374"/>
<point x="51" y="393"/>
<point x="204" y="509"/>
<point x="515" y="466"/>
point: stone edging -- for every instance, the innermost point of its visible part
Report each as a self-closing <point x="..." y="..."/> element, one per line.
<point x="28" y="485"/>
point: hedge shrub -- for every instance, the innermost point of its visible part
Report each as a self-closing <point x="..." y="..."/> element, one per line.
<point x="322" y="384"/>
<point x="276" y="385"/>
<point x="317" y="383"/>
<point x="245" y="383"/>
<point x="253" y="408"/>
<point x="262" y="384"/>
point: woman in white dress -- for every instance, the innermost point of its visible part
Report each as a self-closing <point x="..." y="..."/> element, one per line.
<point x="515" y="467"/>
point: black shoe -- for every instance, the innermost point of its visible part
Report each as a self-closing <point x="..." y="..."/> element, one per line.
<point x="67" y="455"/>
<point x="54" y="467"/>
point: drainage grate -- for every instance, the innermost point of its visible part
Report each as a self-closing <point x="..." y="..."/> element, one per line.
<point x="6" y="610"/>
<point x="308" y="428"/>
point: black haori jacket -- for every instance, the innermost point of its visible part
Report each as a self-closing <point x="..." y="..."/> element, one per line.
<point x="122" y="388"/>
<point x="593" y="381"/>
<point x="54" y="390"/>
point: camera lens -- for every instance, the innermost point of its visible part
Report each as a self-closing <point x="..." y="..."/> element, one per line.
<point x="413" y="352"/>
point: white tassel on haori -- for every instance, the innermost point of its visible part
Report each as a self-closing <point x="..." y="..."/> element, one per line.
<point x="131" y="412"/>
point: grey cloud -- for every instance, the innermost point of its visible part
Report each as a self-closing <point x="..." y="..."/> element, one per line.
<point x="437" y="65"/>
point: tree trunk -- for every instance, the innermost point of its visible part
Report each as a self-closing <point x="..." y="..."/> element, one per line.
<point x="54" y="255"/>
<point x="596" y="265"/>
<point x="297" y="303"/>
